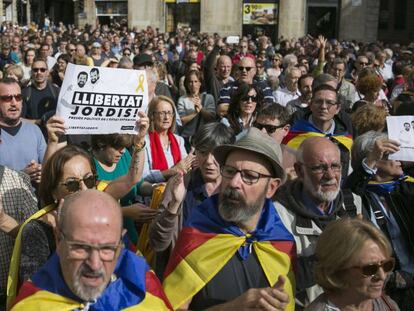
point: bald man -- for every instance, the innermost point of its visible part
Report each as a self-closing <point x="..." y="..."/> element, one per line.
<point x="91" y="270"/>
<point x="307" y="204"/>
<point x="217" y="70"/>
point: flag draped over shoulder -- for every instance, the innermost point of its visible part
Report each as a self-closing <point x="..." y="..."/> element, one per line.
<point x="135" y="288"/>
<point x="13" y="276"/>
<point x="303" y="129"/>
<point x="207" y="243"/>
<point x="384" y="188"/>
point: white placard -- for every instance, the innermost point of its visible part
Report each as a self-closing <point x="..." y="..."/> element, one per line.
<point x="401" y="128"/>
<point x="99" y="100"/>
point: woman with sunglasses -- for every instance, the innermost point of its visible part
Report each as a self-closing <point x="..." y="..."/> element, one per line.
<point x="353" y="261"/>
<point x="244" y="104"/>
<point x="68" y="170"/>
<point x="58" y="72"/>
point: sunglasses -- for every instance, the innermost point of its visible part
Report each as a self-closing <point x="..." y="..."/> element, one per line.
<point x="73" y="184"/>
<point x="270" y="129"/>
<point x="241" y="68"/>
<point x="249" y="98"/>
<point x="127" y="54"/>
<point x="372" y="269"/>
<point x="9" y="98"/>
<point x="39" y="69"/>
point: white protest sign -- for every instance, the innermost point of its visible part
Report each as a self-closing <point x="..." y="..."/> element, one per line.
<point x="401" y="129"/>
<point x="99" y="100"/>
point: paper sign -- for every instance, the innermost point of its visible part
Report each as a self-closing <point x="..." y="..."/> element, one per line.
<point x="99" y="100"/>
<point x="401" y="128"/>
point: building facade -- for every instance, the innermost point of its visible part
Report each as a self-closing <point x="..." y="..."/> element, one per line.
<point x="361" y="20"/>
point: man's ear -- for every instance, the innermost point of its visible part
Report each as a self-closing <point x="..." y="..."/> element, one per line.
<point x="286" y="130"/>
<point x="273" y="185"/>
<point x="298" y="169"/>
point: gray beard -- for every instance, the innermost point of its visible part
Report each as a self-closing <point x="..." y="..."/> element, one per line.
<point x="240" y="212"/>
<point x="327" y="196"/>
<point x="87" y="293"/>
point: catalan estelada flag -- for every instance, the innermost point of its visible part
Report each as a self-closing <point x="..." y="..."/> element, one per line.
<point x="134" y="287"/>
<point x="303" y="129"/>
<point x="207" y="243"/>
<point x="13" y="276"/>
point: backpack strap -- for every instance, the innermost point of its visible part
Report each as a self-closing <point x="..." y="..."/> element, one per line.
<point x="349" y="204"/>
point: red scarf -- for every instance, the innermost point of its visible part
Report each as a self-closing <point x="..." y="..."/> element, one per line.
<point x="159" y="162"/>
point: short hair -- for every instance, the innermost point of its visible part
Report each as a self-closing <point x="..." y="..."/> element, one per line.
<point x="304" y="77"/>
<point x="9" y="81"/>
<point x="338" y="61"/>
<point x="289" y="71"/>
<point x="332" y="258"/>
<point x="117" y="141"/>
<point x="153" y="105"/>
<point x="322" y="79"/>
<point x="53" y="170"/>
<point x="289" y="60"/>
<point x="64" y="57"/>
<point x="40" y="59"/>
<point x="126" y="63"/>
<point x="211" y="135"/>
<point x="368" y="117"/>
<point x="187" y="77"/>
<point x="275" y="111"/>
<point x="300" y="150"/>
<point x="368" y="84"/>
<point x="362" y="145"/>
<point x="323" y="87"/>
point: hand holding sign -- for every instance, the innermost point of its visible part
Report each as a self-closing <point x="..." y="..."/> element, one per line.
<point x="142" y="126"/>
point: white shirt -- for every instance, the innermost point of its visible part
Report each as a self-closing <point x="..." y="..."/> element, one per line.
<point x="283" y="96"/>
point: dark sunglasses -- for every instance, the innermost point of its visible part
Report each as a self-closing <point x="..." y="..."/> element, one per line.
<point x="9" y="98"/>
<point x="73" y="184"/>
<point x="241" y="68"/>
<point x="127" y="54"/>
<point x="270" y="129"/>
<point x="39" y="69"/>
<point x="249" y="98"/>
<point x="372" y="269"/>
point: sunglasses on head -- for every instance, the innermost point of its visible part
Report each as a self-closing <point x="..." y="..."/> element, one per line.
<point x="241" y="68"/>
<point x="73" y="184"/>
<point x="39" y="69"/>
<point x="249" y="98"/>
<point x="372" y="269"/>
<point x="270" y="129"/>
<point x="9" y="98"/>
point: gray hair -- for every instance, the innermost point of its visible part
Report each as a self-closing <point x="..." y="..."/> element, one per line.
<point x="212" y="135"/>
<point x="363" y="145"/>
<point x="289" y="60"/>
<point x="126" y="63"/>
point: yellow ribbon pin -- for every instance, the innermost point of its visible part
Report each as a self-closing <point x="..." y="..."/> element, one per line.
<point x="140" y="86"/>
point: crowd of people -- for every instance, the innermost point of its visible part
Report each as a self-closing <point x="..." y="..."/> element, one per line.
<point x="258" y="177"/>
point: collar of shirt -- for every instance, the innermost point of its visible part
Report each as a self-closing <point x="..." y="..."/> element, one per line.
<point x="330" y="131"/>
<point x="311" y="205"/>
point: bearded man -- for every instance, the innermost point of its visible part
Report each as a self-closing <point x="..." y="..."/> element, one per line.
<point x="91" y="270"/>
<point x="234" y="252"/>
<point x="307" y="204"/>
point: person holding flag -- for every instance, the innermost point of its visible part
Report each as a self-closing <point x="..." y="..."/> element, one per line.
<point x="234" y="251"/>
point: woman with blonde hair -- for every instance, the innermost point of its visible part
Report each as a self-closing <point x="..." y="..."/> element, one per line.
<point x="353" y="261"/>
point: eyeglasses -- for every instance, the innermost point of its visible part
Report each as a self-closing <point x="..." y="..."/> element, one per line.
<point x="270" y="129"/>
<point x="127" y="54"/>
<point x="73" y="184"/>
<point x="72" y="50"/>
<point x="82" y="251"/>
<point x="39" y="69"/>
<point x="320" y="102"/>
<point x="275" y="58"/>
<point x="249" y="177"/>
<point x="363" y="63"/>
<point x="9" y="98"/>
<point x="372" y="269"/>
<point x="163" y="113"/>
<point x="323" y="168"/>
<point x="249" y="98"/>
<point x="241" y="68"/>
